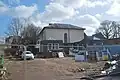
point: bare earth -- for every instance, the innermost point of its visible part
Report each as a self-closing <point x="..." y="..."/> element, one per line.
<point x="51" y="69"/>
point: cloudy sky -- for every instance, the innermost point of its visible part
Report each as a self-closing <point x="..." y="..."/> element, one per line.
<point x="84" y="13"/>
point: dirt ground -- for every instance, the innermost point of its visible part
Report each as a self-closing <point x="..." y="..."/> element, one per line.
<point x="51" y="69"/>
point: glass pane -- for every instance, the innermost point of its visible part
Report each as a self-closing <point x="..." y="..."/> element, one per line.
<point x="49" y="46"/>
<point x="28" y="53"/>
<point x="65" y="38"/>
<point x="53" y="46"/>
<point x="56" y="46"/>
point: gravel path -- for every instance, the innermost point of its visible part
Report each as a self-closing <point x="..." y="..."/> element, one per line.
<point x="51" y="69"/>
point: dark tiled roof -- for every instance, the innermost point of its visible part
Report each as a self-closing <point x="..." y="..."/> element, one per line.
<point x="98" y="35"/>
<point x="64" y="26"/>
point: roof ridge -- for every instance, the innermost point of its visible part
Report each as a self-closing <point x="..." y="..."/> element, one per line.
<point x="62" y="25"/>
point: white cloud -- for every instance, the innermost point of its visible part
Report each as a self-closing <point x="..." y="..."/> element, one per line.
<point x="3" y="7"/>
<point x="13" y="2"/>
<point x="86" y="20"/>
<point x="1" y="4"/>
<point x="72" y="3"/>
<point x="54" y="12"/>
<point x="98" y="16"/>
<point x="35" y="19"/>
<point x="82" y="3"/>
<point x="96" y="3"/>
<point x="89" y="30"/>
<point x="114" y="9"/>
<point x="57" y="12"/>
<point x="22" y="11"/>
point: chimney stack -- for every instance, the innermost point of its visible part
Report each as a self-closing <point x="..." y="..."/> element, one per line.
<point x="50" y="24"/>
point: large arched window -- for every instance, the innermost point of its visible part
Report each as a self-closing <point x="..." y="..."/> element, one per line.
<point x="65" y="37"/>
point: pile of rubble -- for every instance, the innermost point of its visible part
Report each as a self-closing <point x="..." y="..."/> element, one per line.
<point x="76" y="70"/>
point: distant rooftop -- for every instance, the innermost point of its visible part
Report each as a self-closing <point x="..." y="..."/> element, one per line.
<point x="63" y="26"/>
<point x="2" y="40"/>
<point x="99" y="35"/>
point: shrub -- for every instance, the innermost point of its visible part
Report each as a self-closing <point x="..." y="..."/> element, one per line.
<point x="10" y="51"/>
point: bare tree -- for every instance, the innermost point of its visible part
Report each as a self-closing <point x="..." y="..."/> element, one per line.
<point x="116" y="29"/>
<point x="30" y="34"/>
<point x="109" y="29"/>
<point x="15" y="27"/>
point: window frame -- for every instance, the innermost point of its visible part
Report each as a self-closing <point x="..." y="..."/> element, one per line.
<point x="49" y="46"/>
<point x="56" y="46"/>
<point x="65" y="37"/>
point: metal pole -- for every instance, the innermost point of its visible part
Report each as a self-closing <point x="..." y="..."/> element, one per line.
<point x="25" y="64"/>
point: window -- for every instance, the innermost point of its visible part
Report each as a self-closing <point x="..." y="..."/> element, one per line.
<point x="28" y="52"/>
<point x="53" y="46"/>
<point x="37" y="42"/>
<point x="65" y="38"/>
<point x="78" y="46"/>
<point x="50" y="46"/>
<point x="56" y="46"/>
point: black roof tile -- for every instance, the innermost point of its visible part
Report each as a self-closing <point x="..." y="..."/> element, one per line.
<point x="64" y="26"/>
